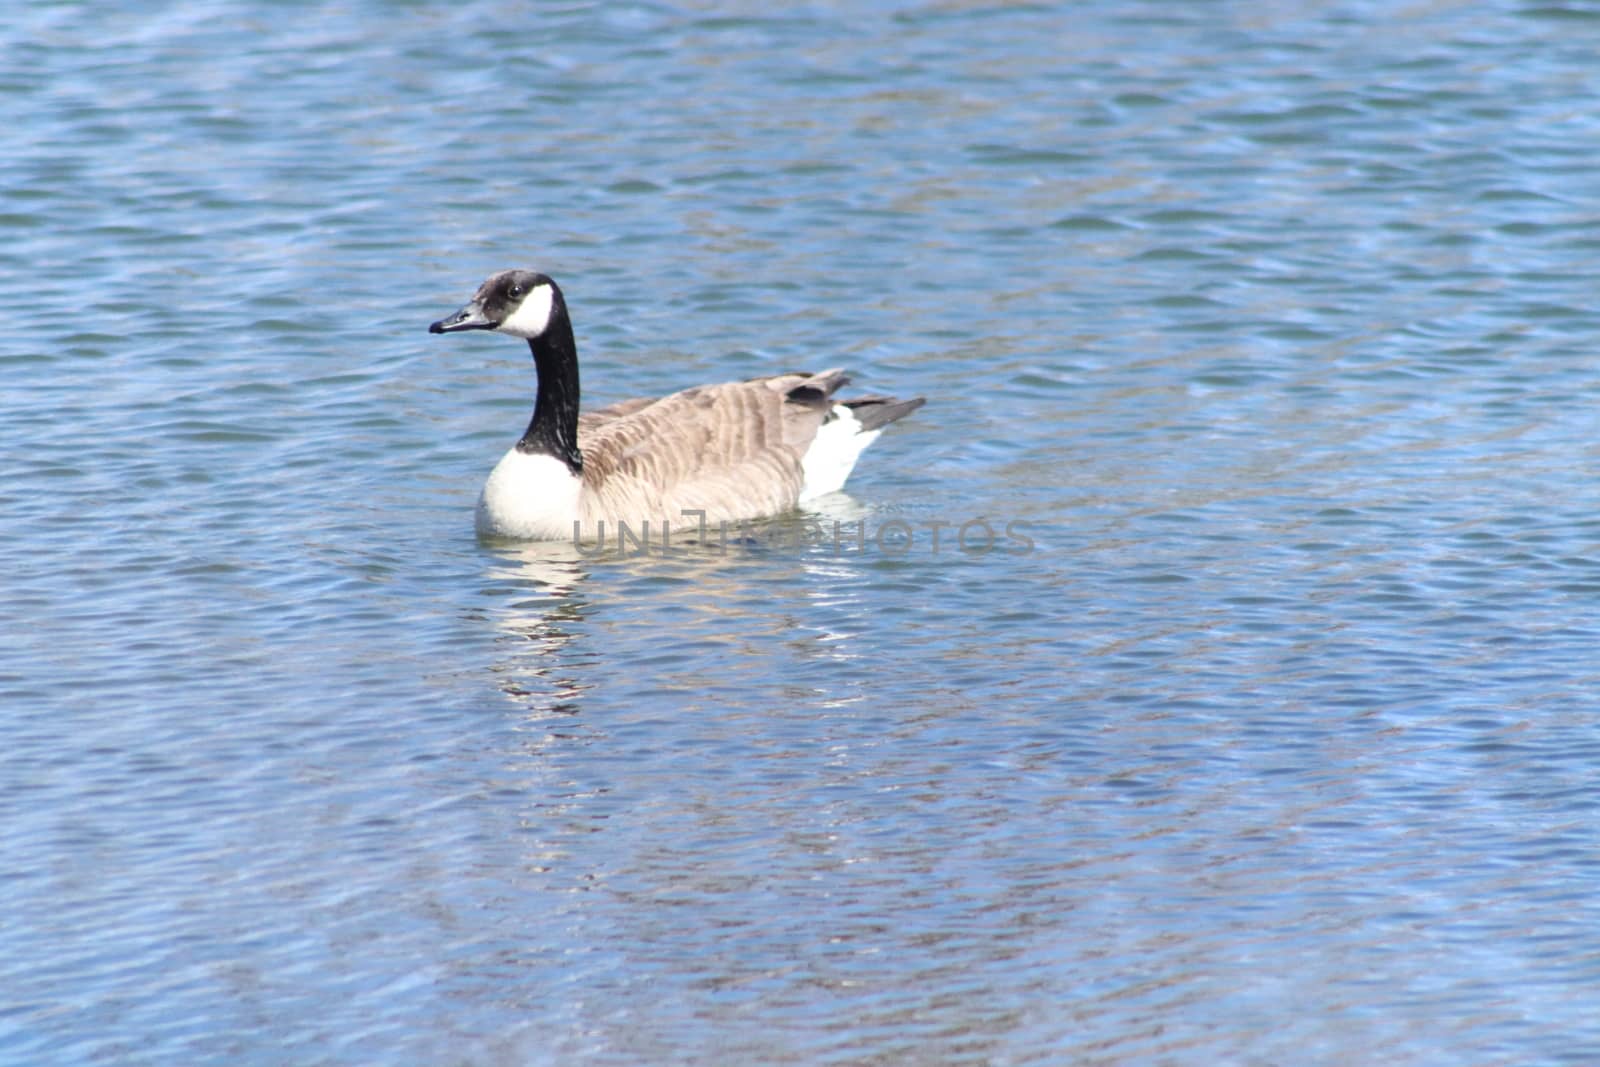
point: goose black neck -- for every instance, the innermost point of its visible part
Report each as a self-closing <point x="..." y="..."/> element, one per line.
<point x="554" y="429"/>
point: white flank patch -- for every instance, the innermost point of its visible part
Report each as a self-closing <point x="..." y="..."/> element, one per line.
<point x="833" y="453"/>
<point x="530" y="497"/>
<point x="532" y="316"/>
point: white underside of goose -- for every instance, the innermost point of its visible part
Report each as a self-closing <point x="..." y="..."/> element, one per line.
<point x="833" y="454"/>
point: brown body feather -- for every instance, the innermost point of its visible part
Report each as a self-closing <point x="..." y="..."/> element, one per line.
<point x="732" y="451"/>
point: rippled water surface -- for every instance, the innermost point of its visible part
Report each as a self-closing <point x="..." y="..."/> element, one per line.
<point x="1263" y="729"/>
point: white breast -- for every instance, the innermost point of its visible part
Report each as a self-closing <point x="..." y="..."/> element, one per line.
<point x="529" y="496"/>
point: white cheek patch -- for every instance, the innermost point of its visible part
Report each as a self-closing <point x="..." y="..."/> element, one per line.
<point x="531" y="317"/>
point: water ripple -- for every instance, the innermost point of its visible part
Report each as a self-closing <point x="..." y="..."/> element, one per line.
<point x="1257" y="338"/>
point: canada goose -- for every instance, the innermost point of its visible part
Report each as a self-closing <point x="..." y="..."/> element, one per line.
<point x="707" y="455"/>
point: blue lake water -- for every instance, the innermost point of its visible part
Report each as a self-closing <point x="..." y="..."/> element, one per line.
<point x="1265" y="729"/>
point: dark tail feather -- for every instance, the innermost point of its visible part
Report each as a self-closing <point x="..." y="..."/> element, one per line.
<point x="878" y="411"/>
<point x="818" y="392"/>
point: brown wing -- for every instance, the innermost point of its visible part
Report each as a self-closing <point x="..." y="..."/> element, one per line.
<point x="591" y="420"/>
<point x="732" y="451"/>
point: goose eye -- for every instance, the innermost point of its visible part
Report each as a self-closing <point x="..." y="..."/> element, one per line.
<point x="515" y="292"/>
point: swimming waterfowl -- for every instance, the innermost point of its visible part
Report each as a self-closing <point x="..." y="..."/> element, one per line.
<point x="706" y="455"/>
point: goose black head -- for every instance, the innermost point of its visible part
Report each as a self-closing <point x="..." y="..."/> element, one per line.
<point x="521" y="303"/>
